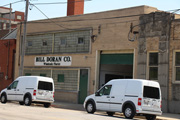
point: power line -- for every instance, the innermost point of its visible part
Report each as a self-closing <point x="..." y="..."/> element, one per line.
<point x="12" y="3"/>
<point x="49" y="18"/>
<point x="59" y="2"/>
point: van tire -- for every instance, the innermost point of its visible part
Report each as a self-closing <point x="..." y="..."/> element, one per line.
<point x="110" y="113"/>
<point x="27" y="100"/>
<point x="21" y="103"/>
<point x="150" y="117"/>
<point x="46" y="105"/>
<point x="129" y="112"/>
<point x="90" y="107"/>
<point x="3" y="98"/>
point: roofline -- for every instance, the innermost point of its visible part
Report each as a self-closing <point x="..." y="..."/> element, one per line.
<point x="142" y="6"/>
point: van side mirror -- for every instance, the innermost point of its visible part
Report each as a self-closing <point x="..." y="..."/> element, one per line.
<point x="97" y="94"/>
<point x="8" y="88"/>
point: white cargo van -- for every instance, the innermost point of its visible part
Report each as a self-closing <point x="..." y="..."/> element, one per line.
<point x="129" y="96"/>
<point x="28" y="89"/>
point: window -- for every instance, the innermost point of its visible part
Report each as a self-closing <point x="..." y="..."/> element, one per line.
<point x="105" y="90"/>
<point x="44" y="43"/>
<point x="27" y="74"/>
<point x="80" y="40"/>
<point x="63" y="41"/>
<point x="44" y="75"/>
<point x="45" y="86"/>
<point x="60" y="77"/>
<point x="29" y="43"/>
<point x="153" y="66"/>
<point x="19" y="17"/>
<point x="13" y="85"/>
<point x="177" y="66"/>
<point x="151" y="92"/>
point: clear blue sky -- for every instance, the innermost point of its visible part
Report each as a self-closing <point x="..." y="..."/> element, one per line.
<point x="60" y="10"/>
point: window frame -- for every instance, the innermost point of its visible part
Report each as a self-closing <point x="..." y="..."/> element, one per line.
<point x="46" y="43"/>
<point x="28" y="43"/>
<point x="103" y="90"/>
<point x="151" y="66"/>
<point x="174" y="67"/>
<point x="78" y="40"/>
<point x="58" y="78"/>
<point x="60" y="42"/>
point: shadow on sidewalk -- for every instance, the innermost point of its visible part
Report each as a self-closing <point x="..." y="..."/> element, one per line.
<point x="70" y="106"/>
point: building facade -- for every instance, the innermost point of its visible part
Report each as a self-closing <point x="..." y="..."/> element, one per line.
<point x="81" y="53"/>
<point x="5" y="18"/>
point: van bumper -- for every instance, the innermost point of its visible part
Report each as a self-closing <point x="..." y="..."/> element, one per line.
<point x="149" y="112"/>
<point x="42" y="101"/>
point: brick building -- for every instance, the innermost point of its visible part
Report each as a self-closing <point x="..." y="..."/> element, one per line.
<point x="7" y="62"/>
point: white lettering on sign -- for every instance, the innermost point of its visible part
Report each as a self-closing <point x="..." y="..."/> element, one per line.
<point x="53" y="61"/>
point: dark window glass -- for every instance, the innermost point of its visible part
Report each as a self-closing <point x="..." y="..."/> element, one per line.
<point x="44" y="43"/>
<point x="27" y="74"/>
<point x="105" y="90"/>
<point x="60" y="77"/>
<point x="80" y="40"/>
<point x="44" y="75"/>
<point x="177" y="73"/>
<point x="63" y="41"/>
<point x="177" y="58"/>
<point x="151" y="92"/>
<point x="45" y="86"/>
<point x="153" y="59"/>
<point x="29" y="43"/>
<point x="153" y="73"/>
<point x="13" y="85"/>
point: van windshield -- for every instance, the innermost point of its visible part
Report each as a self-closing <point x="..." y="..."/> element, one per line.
<point x="45" y="86"/>
<point x="151" y="92"/>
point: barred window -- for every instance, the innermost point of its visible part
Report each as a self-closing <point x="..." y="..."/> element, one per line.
<point x="153" y="66"/>
<point x="177" y="66"/>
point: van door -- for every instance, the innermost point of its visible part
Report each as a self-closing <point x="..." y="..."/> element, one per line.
<point x="103" y="98"/>
<point x="11" y="91"/>
<point x="45" y="91"/>
<point x="151" y="99"/>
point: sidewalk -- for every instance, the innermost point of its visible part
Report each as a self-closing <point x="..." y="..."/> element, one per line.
<point x="79" y="107"/>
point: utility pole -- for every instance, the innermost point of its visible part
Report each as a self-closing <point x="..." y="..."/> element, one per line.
<point x="10" y="18"/>
<point x="24" y="40"/>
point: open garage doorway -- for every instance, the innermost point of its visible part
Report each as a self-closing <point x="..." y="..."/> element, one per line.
<point x="115" y="66"/>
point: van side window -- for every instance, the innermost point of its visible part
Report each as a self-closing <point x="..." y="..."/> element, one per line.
<point x="13" y="85"/>
<point x="105" y="90"/>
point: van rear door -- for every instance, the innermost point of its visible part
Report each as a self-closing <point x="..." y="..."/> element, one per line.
<point x="45" y="91"/>
<point x="151" y="99"/>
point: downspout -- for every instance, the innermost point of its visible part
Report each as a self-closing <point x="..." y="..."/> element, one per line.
<point x="13" y="64"/>
<point x="7" y="72"/>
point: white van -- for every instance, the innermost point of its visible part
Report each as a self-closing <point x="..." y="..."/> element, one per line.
<point x="28" y="89"/>
<point x="129" y="96"/>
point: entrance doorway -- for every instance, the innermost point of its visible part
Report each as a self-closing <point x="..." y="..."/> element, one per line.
<point x="115" y="66"/>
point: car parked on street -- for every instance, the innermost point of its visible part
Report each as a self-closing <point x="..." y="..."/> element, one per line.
<point x="30" y="89"/>
<point x="128" y="96"/>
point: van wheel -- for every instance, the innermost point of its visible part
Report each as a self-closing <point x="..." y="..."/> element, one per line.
<point x="46" y="105"/>
<point x="110" y="113"/>
<point x="27" y="100"/>
<point x="150" y="117"/>
<point x="3" y="98"/>
<point x="90" y="107"/>
<point x="21" y="103"/>
<point x="129" y="112"/>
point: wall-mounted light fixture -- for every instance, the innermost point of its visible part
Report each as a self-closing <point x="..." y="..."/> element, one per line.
<point x="93" y="38"/>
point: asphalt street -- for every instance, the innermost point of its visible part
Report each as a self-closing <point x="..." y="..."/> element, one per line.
<point x="14" y="111"/>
